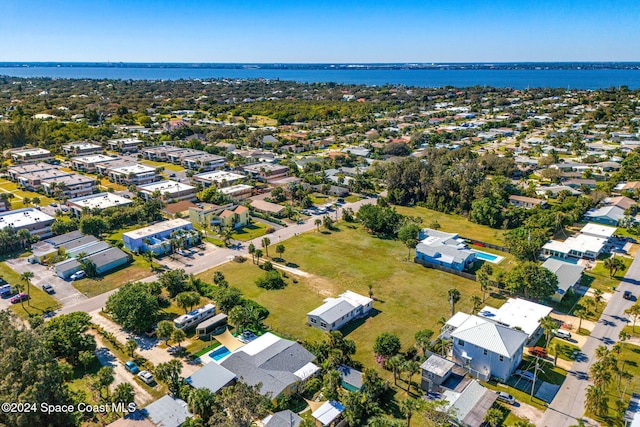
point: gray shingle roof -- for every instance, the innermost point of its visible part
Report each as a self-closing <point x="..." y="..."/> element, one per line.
<point x="167" y="412"/>
<point x="350" y="376"/>
<point x="333" y="311"/>
<point x="284" y="419"/>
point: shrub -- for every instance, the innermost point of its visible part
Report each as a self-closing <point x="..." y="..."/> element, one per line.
<point x="271" y="280"/>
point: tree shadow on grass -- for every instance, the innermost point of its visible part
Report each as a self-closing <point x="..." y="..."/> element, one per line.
<point x="354" y="324"/>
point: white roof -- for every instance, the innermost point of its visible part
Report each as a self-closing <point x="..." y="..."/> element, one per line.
<point x="238" y="188"/>
<point x="82" y="144"/>
<point x="518" y="313"/>
<point x="598" y="230"/>
<point x="307" y="371"/>
<point x="31" y="152"/>
<point x="136" y="169"/>
<point x="328" y="412"/>
<point x="100" y="201"/>
<point x="168" y="186"/>
<point x="23" y="217"/>
<point x="219" y="176"/>
<point x="490" y="336"/>
<point x="261" y="343"/>
<point x="457" y="319"/>
<point x="157" y="228"/>
<point x="356" y="299"/>
<point x="96" y="158"/>
<point x="580" y="243"/>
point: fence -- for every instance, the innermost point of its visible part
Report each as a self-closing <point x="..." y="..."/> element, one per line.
<point x="485" y="244"/>
<point x="445" y="269"/>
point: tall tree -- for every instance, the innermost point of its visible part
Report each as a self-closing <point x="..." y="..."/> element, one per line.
<point x="532" y="281"/>
<point x="26" y="278"/>
<point x="169" y="373"/>
<point x="423" y="340"/>
<point x="453" y="295"/>
<point x="265" y="245"/>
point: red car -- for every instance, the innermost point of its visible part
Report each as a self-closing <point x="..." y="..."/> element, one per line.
<point x="538" y="351"/>
<point x="19" y="298"/>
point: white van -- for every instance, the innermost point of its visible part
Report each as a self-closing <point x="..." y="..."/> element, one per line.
<point x="561" y="333"/>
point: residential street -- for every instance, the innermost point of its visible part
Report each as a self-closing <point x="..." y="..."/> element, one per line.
<point x="217" y="256"/>
<point x="569" y="403"/>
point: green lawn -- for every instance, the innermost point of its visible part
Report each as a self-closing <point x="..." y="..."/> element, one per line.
<point x="566" y="350"/>
<point x="40" y="301"/>
<point x="631" y="356"/>
<point x="455" y="224"/>
<point x="138" y="269"/>
<point x="352" y="198"/>
<point x="165" y="165"/>
<point x="409" y="297"/>
<point x="321" y="199"/>
<point x="250" y="231"/>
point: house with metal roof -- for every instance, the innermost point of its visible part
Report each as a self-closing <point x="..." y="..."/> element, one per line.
<point x="609" y="215"/>
<point x="445" y="249"/>
<point x="280" y="365"/>
<point x="470" y="405"/>
<point x="568" y="275"/>
<point x="211" y="376"/>
<point x="336" y="312"/>
<point x="519" y="313"/>
<point x="486" y="348"/>
<point x="167" y="412"/>
<point x="329" y="414"/>
<point x="285" y="418"/>
<point x="351" y="379"/>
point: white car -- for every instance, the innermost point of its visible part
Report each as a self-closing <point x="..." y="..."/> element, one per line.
<point x="78" y="275"/>
<point x="146" y="377"/>
<point x="506" y="397"/>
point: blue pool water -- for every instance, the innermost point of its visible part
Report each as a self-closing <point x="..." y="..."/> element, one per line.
<point x="486" y="256"/>
<point x="219" y="353"/>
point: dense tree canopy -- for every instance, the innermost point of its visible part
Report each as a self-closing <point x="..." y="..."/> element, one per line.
<point x="134" y="307"/>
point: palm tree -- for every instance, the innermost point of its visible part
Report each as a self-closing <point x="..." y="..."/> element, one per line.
<point x="453" y="296"/>
<point x="581" y="314"/>
<point x="395" y="363"/>
<point x="597" y="401"/>
<point x="477" y="302"/>
<point x="548" y="325"/>
<point x="26" y="277"/>
<point x="408" y="407"/>
<point x="633" y="312"/>
<point x="252" y="250"/>
<point x="423" y="340"/>
<point x="597" y="297"/>
<point x="265" y="245"/>
<point x="258" y="255"/>
<point x="318" y="223"/>
<point x="613" y="264"/>
<point x="131" y="346"/>
<point x="411" y="367"/>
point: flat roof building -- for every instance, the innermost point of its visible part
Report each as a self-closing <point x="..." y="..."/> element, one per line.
<point x="81" y="148"/>
<point x="580" y="246"/>
<point x="37" y="222"/>
<point x="17" y="170"/>
<point x="170" y="191"/>
<point x="156" y="238"/>
<point x="266" y="171"/>
<point x="136" y="174"/>
<point x="238" y="191"/>
<point x="97" y="201"/>
<point x="31" y="155"/>
<point x="518" y="313"/>
<point x="218" y="178"/>
<point x="124" y="144"/>
<point x="89" y="163"/>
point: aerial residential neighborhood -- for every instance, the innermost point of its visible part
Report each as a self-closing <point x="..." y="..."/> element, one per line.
<point x="407" y="256"/>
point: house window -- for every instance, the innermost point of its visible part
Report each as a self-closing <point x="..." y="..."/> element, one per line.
<point x="502" y="358"/>
<point x="461" y="343"/>
<point x="324" y="325"/>
<point x="485" y="352"/>
<point x="314" y="321"/>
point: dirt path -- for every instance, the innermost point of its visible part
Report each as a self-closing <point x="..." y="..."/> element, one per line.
<point x="106" y="358"/>
<point x="319" y="284"/>
<point x="526" y="411"/>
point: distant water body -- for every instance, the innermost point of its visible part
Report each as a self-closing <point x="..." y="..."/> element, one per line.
<point x="518" y="79"/>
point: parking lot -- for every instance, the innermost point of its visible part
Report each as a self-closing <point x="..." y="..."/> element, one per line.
<point x="63" y="290"/>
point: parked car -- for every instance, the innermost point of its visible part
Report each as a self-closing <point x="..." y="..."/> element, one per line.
<point x="78" y="275"/>
<point x="561" y="333"/>
<point x="55" y="205"/>
<point x="131" y="367"/>
<point x="19" y="298"/>
<point x="538" y="351"/>
<point x="6" y="291"/>
<point x="48" y="288"/>
<point x="172" y="175"/>
<point x="506" y="397"/>
<point x="627" y="295"/>
<point x="146" y="377"/>
<point x="525" y="374"/>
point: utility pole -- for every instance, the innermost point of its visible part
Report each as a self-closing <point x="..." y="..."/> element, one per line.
<point x="535" y="376"/>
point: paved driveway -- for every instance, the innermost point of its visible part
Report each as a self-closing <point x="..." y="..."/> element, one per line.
<point x="569" y="403"/>
<point x="64" y="291"/>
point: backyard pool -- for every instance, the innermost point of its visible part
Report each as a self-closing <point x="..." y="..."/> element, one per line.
<point x="486" y="256"/>
<point x="219" y="353"/>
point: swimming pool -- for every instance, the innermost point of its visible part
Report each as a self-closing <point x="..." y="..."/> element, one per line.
<point x="486" y="256"/>
<point x="219" y="353"/>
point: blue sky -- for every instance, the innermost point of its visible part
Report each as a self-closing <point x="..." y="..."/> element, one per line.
<point x="319" y="31"/>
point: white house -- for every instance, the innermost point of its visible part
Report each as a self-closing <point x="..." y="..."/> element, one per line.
<point x="446" y="249"/>
<point x="580" y="246"/>
<point x="336" y="312"/>
<point x="519" y="313"/>
<point x="486" y="348"/>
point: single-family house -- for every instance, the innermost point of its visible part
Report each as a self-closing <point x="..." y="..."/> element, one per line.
<point x="568" y="274"/>
<point x="435" y="371"/>
<point x="280" y="365"/>
<point x="286" y="418"/>
<point x="350" y="378"/>
<point x="519" y="313"/>
<point x="329" y="414"/>
<point x="212" y="376"/>
<point x="167" y="412"/>
<point x="445" y="249"/>
<point x="471" y="405"/>
<point x="609" y="215"/>
<point x="526" y="202"/>
<point x="488" y="349"/>
<point x="268" y="208"/>
<point x="336" y="312"/>
<point x="579" y="246"/>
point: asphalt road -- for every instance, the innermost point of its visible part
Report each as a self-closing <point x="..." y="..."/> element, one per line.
<point x="220" y="256"/>
<point x="569" y="403"/>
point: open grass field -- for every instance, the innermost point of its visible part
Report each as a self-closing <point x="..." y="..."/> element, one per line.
<point x="40" y="301"/>
<point x="165" y="165"/>
<point x="251" y="231"/>
<point x="409" y="296"/>
<point x="138" y="269"/>
<point x="452" y="223"/>
<point x="19" y="195"/>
